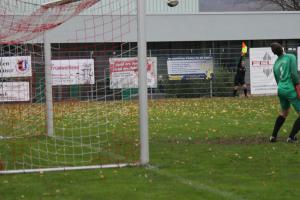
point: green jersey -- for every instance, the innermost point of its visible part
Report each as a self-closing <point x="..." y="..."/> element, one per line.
<point x="286" y="74"/>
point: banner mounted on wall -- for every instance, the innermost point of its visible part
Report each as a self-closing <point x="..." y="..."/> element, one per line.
<point x="15" y="66"/>
<point x="124" y="72"/>
<point x="14" y="91"/>
<point x="73" y="72"/>
<point x="262" y="79"/>
<point x="188" y="68"/>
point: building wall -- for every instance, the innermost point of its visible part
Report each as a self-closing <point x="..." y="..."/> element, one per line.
<point x="115" y="21"/>
<point x="189" y="27"/>
<point x="159" y="6"/>
<point x="184" y="6"/>
<point x="114" y="7"/>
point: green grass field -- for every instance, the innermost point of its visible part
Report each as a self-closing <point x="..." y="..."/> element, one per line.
<point x="210" y="149"/>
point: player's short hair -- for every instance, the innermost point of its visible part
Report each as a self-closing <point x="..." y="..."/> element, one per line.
<point x="277" y="48"/>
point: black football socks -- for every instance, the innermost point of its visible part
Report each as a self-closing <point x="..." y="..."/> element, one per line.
<point x="296" y="128"/>
<point x="279" y="122"/>
<point x="234" y="92"/>
<point x="245" y="92"/>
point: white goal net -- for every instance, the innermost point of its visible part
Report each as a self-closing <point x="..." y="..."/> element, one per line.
<point x="94" y="124"/>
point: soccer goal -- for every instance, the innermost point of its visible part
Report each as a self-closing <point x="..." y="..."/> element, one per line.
<point x="66" y="102"/>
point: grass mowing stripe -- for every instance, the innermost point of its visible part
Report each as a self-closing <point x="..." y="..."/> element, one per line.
<point x="197" y="186"/>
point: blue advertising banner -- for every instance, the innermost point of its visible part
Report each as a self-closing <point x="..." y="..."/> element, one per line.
<point x="189" y="68"/>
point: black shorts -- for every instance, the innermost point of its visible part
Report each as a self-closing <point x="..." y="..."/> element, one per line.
<point x="239" y="80"/>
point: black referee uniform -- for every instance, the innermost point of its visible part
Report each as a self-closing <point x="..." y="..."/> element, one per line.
<point x="239" y="79"/>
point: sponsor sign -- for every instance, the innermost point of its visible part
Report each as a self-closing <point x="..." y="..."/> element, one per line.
<point x="181" y="68"/>
<point x="14" y="91"/>
<point x="15" y="66"/>
<point x="73" y="72"/>
<point x="124" y="72"/>
<point x="262" y="79"/>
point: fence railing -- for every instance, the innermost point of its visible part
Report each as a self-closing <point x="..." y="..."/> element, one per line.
<point x="220" y="85"/>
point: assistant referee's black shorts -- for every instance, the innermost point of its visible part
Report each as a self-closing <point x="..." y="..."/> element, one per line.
<point x="239" y="80"/>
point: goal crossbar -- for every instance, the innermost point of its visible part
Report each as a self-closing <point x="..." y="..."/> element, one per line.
<point x="54" y="3"/>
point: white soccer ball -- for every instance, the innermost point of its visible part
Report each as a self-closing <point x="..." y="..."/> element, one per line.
<point x="172" y="3"/>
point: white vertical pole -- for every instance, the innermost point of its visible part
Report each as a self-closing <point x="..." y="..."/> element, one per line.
<point x="48" y="86"/>
<point x="143" y="98"/>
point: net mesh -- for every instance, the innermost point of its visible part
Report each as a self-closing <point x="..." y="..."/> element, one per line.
<point x="24" y="21"/>
<point x="93" y="125"/>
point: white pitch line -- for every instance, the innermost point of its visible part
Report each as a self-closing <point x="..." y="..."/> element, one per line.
<point x="197" y="186"/>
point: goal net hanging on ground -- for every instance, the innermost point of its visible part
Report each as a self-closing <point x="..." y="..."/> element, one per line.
<point x="59" y="108"/>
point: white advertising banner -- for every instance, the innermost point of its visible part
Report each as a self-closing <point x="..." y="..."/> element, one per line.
<point x="124" y="72"/>
<point x="190" y="68"/>
<point x="261" y="71"/>
<point x="73" y="72"/>
<point x="14" y="91"/>
<point x="15" y="66"/>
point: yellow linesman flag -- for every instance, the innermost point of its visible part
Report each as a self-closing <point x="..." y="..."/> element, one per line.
<point x="244" y="48"/>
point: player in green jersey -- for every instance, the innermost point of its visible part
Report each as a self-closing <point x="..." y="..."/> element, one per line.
<point x="286" y="76"/>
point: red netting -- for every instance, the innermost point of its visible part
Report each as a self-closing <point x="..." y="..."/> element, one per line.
<point x="22" y="21"/>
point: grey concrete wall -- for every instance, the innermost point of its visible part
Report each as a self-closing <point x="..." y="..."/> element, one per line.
<point x="185" y="27"/>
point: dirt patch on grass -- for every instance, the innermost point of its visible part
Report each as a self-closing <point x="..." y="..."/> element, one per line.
<point x="247" y="140"/>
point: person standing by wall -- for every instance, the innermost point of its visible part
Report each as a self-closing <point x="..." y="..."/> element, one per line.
<point x="239" y="78"/>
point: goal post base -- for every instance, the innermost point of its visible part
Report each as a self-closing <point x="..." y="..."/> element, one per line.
<point x="58" y="169"/>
